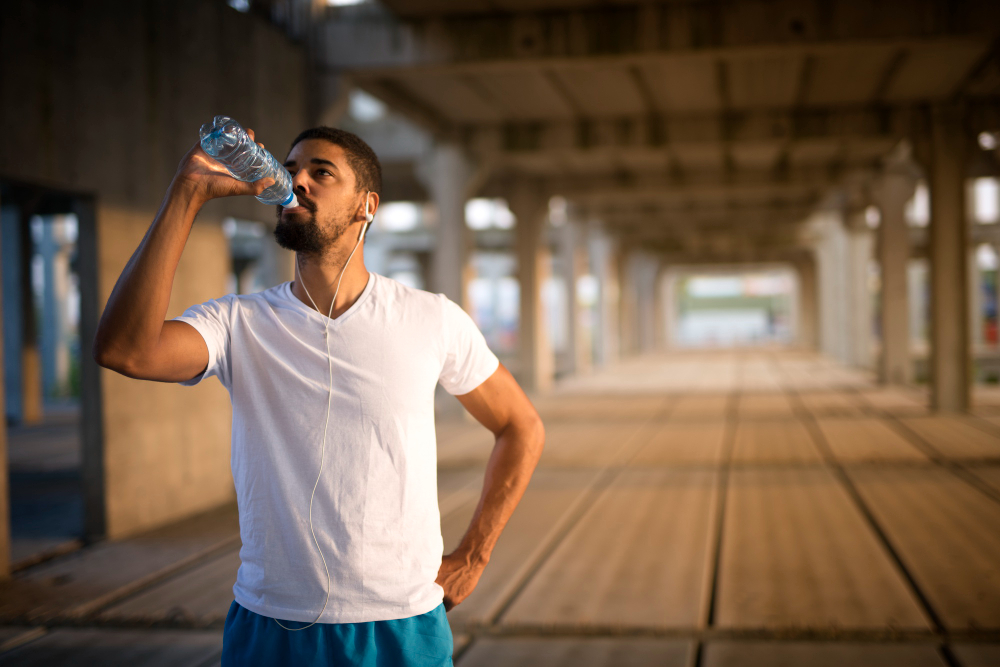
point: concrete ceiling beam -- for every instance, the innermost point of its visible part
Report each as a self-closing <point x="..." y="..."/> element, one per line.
<point x="443" y="41"/>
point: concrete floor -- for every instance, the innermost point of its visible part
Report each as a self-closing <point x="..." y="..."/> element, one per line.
<point x="755" y="508"/>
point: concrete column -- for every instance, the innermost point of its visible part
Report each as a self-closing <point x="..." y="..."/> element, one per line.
<point x="570" y="259"/>
<point x="604" y="255"/>
<point x="832" y="271"/>
<point x="584" y="343"/>
<point x="808" y="309"/>
<point x="10" y="219"/>
<point x="948" y="248"/>
<point x="647" y="271"/>
<point x="31" y="362"/>
<point x="895" y="365"/>
<point x="976" y="316"/>
<point x="4" y="473"/>
<point x="668" y="290"/>
<point x="447" y="174"/>
<point x="628" y="308"/>
<point x="530" y="206"/>
<point x="860" y="244"/>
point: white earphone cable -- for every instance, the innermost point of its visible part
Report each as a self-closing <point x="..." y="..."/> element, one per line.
<point x="329" y="403"/>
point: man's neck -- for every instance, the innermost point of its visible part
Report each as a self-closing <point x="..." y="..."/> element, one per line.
<point x="321" y="280"/>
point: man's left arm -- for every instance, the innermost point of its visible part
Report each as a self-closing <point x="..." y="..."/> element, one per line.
<point x="500" y="405"/>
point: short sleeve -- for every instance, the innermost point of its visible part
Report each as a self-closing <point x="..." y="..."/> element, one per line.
<point x="468" y="359"/>
<point x="212" y="320"/>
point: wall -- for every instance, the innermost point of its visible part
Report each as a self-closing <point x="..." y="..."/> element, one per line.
<point x="105" y="100"/>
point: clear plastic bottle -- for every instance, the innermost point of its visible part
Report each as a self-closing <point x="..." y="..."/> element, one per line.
<point x="227" y="141"/>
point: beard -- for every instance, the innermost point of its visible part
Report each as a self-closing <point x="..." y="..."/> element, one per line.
<point x="306" y="237"/>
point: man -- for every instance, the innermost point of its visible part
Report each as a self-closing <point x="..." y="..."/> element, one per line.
<point x="332" y="380"/>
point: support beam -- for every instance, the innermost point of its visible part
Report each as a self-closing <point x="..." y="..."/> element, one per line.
<point x="808" y="325"/>
<point x="859" y="249"/>
<point x="604" y="258"/>
<point x="4" y="472"/>
<point x="529" y="205"/>
<point x="950" y="358"/>
<point x="895" y="366"/>
<point x="446" y="173"/>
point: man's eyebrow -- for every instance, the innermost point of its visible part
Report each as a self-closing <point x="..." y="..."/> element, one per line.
<point x="315" y="160"/>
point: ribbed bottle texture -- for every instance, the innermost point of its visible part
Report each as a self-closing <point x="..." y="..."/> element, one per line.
<point x="226" y="141"/>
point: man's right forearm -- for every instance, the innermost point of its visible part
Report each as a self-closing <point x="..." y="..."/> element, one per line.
<point x="133" y="318"/>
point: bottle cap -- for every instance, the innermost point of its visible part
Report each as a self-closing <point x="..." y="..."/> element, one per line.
<point x="291" y="202"/>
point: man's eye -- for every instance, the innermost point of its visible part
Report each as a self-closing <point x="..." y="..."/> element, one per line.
<point x="324" y="172"/>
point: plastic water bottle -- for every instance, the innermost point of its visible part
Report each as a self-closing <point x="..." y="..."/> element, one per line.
<point x="227" y="141"/>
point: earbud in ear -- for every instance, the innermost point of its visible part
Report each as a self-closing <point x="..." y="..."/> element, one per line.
<point x="368" y="216"/>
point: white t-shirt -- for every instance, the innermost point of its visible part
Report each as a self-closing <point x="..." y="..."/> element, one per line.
<point x="375" y="512"/>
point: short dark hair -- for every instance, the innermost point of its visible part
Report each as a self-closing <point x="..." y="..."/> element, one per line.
<point x="360" y="156"/>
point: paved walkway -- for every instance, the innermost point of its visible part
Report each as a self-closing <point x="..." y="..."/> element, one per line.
<point x="693" y="510"/>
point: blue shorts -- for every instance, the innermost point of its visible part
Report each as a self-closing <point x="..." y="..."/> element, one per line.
<point x="252" y="640"/>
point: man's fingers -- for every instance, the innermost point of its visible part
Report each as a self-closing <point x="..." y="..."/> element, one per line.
<point x="262" y="184"/>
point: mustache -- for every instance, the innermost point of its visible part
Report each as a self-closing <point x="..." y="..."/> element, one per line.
<point x="305" y="202"/>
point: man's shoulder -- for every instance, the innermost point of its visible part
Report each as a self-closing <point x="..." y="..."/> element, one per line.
<point x="406" y="295"/>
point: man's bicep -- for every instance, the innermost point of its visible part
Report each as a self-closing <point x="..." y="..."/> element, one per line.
<point x="180" y="355"/>
<point x="498" y="401"/>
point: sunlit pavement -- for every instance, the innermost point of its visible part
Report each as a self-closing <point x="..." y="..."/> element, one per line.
<point x="731" y="508"/>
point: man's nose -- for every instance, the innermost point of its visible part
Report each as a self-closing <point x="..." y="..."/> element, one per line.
<point x="300" y="181"/>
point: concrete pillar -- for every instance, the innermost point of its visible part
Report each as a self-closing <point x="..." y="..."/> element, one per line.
<point x="10" y="219"/>
<point x="832" y="272"/>
<point x="976" y="315"/>
<point x="895" y="365"/>
<point x="860" y="244"/>
<point x="628" y="307"/>
<point x="668" y="290"/>
<point x="4" y="473"/>
<point x="808" y="325"/>
<point x="647" y="271"/>
<point x="530" y="206"/>
<point x="581" y="309"/>
<point x="948" y="248"/>
<point x="604" y="257"/>
<point x="573" y="264"/>
<point x="31" y="362"/>
<point x="659" y="309"/>
<point x="447" y="174"/>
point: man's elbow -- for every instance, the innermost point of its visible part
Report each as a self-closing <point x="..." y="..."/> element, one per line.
<point x="107" y="358"/>
<point x="534" y="432"/>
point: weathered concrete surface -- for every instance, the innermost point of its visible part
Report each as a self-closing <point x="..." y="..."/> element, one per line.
<point x="831" y="404"/>
<point x="588" y="443"/>
<point x="638" y="558"/>
<point x="956" y="437"/>
<point x="119" y="648"/>
<point x="199" y="596"/>
<point x="538" y="652"/>
<point x="896" y="401"/>
<point x="82" y="582"/>
<point x="682" y="444"/>
<point x="819" y="654"/>
<point x="611" y="556"/>
<point x="700" y="407"/>
<point x="774" y="442"/>
<point x="764" y="406"/>
<point x="796" y="553"/>
<point x="867" y="439"/>
<point x="978" y="655"/>
<point x="548" y="506"/>
<point x="947" y="533"/>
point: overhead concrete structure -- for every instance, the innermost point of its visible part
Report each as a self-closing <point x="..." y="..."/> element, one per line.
<point x="707" y="132"/>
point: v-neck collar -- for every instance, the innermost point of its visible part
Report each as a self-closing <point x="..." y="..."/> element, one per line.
<point x="335" y="321"/>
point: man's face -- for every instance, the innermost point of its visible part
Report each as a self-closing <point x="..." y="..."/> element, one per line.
<point x="325" y="187"/>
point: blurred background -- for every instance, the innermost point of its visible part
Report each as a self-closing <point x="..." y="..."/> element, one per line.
<point x="742" y="254"/>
